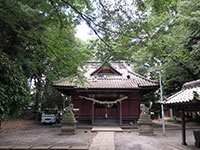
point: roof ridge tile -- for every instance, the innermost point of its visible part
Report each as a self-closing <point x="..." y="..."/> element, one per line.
<point x="191" y="84"/>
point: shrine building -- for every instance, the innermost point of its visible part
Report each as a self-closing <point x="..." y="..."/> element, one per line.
<point x="112" y="91"/>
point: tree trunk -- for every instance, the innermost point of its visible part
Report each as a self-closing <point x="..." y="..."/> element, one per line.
<point x="38" y="96"/>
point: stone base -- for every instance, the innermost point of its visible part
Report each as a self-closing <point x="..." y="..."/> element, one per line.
<point x="145" y="129"/>
<point x="68" y="129"/>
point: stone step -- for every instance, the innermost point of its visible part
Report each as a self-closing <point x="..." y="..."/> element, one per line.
<point x="106" y="129"/>
<point x="43" y="147"/>
<point x="79" y="148"/>
<point x="5" y="147"/>
<point x="21" y="147"/>
<point x="40" y="148"/>
<point x="60" y="148"/>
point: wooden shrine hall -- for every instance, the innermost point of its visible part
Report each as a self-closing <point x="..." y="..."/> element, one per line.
<point x="112" y="91"/>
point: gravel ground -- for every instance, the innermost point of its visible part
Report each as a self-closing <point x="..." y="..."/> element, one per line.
<point x="171" y="141"/>
<point x="44" y="135"/>
<point x="15" y="124"/>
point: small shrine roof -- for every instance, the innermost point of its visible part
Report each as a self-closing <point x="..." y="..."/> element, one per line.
<point x="190" y="93"/>
<point x="123" y="77"/>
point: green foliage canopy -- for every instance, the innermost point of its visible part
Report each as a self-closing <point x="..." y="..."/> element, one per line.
<point x="151" y="30"/>
<point x="38" y="42"/>
<point x="14" y="89"/>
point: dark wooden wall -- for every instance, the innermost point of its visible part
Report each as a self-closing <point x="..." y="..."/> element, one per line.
<point x="130" y="107"/>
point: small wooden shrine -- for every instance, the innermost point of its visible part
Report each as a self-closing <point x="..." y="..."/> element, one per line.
<point x="186" y="100"/>
<point x="113" y="91"/>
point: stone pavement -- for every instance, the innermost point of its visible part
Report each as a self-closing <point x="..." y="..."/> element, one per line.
<point x="103" y="141"/>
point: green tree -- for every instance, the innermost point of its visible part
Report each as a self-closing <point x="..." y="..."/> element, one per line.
<point x="39" y="36"/>
<point x="146" y="31"/>
<point x="14" y="88"/>
<point x="175" y="44"/>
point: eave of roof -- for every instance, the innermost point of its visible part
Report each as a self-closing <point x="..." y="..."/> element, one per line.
<point x="190" y="93"/>
<point x="113" y="83"/>
<point x="127" y="80"/>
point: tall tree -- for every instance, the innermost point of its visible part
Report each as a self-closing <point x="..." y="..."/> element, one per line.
<point x="153" y="30"/>
<point x="39" y="36"/>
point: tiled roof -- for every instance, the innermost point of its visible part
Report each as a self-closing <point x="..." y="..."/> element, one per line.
<point x="127" y="80"/>
<point x="190" y="92"/>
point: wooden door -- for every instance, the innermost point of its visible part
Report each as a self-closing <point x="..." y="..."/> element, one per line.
<point x="104" y="111"/>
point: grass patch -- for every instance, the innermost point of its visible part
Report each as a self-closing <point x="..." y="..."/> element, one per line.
<point x="173" y="119"/>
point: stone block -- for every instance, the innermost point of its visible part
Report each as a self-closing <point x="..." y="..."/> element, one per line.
<point x="21" y="147"/>
<point x="60" y="148"/>
<point x="145" y="129"/>
<point x="79" y="148"/>
<point x="68" y="129"/>
<point x="5" y="147"/>
<point x="40" y="147"/>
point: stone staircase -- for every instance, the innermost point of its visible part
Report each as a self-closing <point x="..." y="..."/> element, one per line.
<point x="106" y="122"/>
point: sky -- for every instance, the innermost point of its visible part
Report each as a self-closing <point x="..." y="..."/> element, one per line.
<point x="84" y="32"/>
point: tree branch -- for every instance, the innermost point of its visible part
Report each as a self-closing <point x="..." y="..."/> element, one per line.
<point x="181" y="64"/>
<point x="88" y="23"/>
<point x="56" y="9"/>
<point x="46" y="45"/>
<point x="37" y="41"/>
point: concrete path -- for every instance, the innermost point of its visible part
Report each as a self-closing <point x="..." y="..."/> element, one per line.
<point x="103" y="141"/>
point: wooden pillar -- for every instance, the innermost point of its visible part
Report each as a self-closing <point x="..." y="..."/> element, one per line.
<point x="106" y="111"/>
<point x="171" y="112"/>
<point x="93" y="112"/>
<point x="183" y="128"/>
<point x="120" y="113"/>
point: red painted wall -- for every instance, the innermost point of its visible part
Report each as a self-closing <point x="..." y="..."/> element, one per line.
<point x="78" y="104"/>
<point x="85" y="107"/>
<point x="130" y="107"/>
